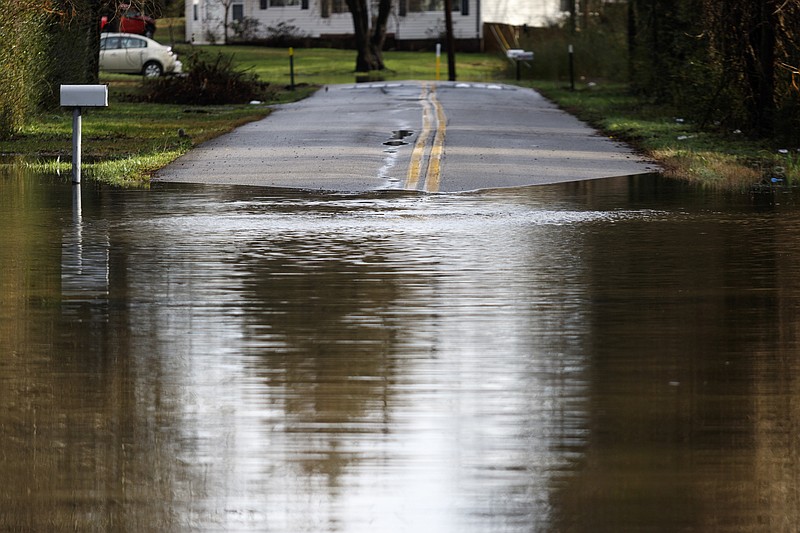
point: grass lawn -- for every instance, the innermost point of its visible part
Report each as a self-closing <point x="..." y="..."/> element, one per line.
<point x="683" y="148"/>
<point x="124" y="143"/>
<point x="322" y="66"/>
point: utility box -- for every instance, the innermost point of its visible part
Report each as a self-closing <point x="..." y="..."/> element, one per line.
<point x="84" y="96"/>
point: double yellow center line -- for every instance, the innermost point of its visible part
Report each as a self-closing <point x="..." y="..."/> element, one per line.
<point x="433" y="120"/>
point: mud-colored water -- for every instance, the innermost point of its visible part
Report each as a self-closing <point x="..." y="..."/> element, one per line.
<point x="615" y="355"/>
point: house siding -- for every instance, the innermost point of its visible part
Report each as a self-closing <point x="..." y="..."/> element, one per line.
<point x="204" y="19"/>
<point x="534" y="13"/>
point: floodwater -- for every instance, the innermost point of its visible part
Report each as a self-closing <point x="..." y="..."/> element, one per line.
<point x="613" y="355"/>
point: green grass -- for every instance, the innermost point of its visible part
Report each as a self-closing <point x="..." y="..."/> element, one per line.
<point x="126" y="142"/>
<point x="323" y="66"/>
<point x="683" y="148"/>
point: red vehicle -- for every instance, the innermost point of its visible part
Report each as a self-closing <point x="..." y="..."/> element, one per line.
<point x="129" y="20"/>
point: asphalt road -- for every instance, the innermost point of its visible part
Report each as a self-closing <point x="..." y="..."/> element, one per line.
<point x="434" y="137"/>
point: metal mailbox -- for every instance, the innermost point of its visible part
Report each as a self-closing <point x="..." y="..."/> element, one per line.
<point x="77" y="97"/>
<point x="84" y="96"/>
<point x="519" y="55"/>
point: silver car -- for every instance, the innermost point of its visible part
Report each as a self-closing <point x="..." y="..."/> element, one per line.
<point x="135" y="54"/>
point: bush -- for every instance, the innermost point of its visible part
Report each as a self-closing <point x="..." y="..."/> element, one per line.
<point x="246" y="29"/>
<point x="44" y="45"/>
<point x="21" y="75"/>
<point x="284" y="34"/>
<point x="208" y="81"/>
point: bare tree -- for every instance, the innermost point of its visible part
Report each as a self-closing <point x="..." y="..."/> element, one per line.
<point x="730" y="60"/>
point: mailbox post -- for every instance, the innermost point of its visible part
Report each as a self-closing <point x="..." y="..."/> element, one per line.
<point x="517" y="56"/>
<point x="78" y="97"/>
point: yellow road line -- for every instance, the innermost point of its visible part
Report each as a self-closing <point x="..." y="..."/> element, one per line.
<point x="433" y="176"/>
<point x="415" y="166"/>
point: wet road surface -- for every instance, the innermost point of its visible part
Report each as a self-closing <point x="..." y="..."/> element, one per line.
<point x="434" y="137"/>
<point x="601" y="356"/>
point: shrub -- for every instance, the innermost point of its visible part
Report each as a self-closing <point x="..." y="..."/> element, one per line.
<point x="208" y="81"/>
<point x="21" y="75"/>
<point x="284" y="34"/>
<point x="44" y="44"/>
<point x="246" y="29"/>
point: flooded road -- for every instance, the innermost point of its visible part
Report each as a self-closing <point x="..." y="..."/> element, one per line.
<point x="610" y="355"/>
<point x="433" y="137"/>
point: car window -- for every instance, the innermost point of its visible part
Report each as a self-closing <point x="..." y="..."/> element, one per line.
<point x="131" y="42"/>
<point x="109" y="43"/>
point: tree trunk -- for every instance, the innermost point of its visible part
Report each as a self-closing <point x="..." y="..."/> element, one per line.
<point x="573" y="17"/>
<point x="585" y="10"/>
<point x="93" y="40"/>
<point x="369" y="44"/>
<point x="761" y="67"/>
<point x="451" y="43"/>
<point x="227" y="6"/>
<point x="358" y="10"/>
<point x="378" y="33"/>
<point x="632" y="44"/>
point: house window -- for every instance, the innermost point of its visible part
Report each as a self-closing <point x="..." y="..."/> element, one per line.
<point x="195" y="11"/>
<point x="417" y="6"/>
<point x="567" y="5"/>
<point x="238" y="12"/>
<point x="283" y="3"/>
<point x="332" y="6"/>
<point x="262" y="4"/>
<point x="465" y="7"/>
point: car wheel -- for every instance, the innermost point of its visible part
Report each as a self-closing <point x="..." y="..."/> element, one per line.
<point x="152" y="70"/>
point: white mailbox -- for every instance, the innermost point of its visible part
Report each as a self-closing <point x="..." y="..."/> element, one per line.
<point x="519" y="55"/>
<point x="77" y="97"/>
<point x="84" y="96"/>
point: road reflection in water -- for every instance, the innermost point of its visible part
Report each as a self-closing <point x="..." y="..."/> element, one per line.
<point x="603" y="356"/>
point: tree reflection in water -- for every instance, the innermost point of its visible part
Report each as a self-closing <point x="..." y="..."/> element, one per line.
<point x="608" y="355"/>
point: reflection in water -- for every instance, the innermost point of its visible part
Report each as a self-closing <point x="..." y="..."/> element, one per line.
<point x="603" y="356"/>
<point x="84" y="256"/>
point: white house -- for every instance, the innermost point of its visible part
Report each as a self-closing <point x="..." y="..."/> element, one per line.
<point x="411" y="20"/>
